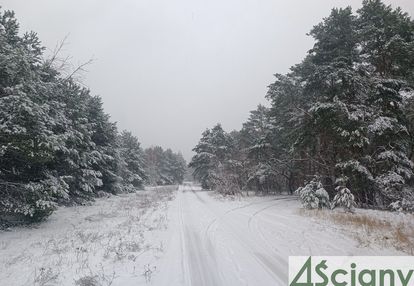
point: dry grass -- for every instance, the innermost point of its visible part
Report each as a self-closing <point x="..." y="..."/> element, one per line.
<point x="391" y="230"/>
<point x="45" y="277"/>
<point x="102" y="278"/>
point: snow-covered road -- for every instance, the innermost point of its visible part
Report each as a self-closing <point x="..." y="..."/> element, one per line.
<point x="166" y="237"/>
<point x="213" y="242"/>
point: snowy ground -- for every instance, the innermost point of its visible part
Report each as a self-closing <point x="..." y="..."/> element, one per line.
<point x="116" y="241"/>
<point x="163" y="237"/>
<point x="245" y="242"/>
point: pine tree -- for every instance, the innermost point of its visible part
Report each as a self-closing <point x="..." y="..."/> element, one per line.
<point x="164" y="167"/>
<point x="288" y="114"/>
<point x="132" y="166"/>
<point x="104" y="138"/>
<point x="340" y="113"/>
<point x="387" y="40"/>
<point x="211" y="152"/>
<point x="335" y="130"/>
<point x="256" y="141"/>
<point x="57" y="145"/>
<point x="313" y="195"/>
<point x="27" y="143"/>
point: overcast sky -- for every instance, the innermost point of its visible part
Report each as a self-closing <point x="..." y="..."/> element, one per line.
<point x="169" y="69"/>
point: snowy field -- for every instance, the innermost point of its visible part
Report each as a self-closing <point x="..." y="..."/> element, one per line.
<point x="167" y="237"/>
<point x="116" y="241"/>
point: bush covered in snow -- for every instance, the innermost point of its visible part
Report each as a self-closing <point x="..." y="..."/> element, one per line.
<point x="344" y="198"/>
<point x="405" y="202"/>
<point x="313" y="195"/>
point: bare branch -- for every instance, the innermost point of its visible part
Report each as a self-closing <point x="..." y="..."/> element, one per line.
<point x="80" y="68"/>
<point x="55" y="54"/>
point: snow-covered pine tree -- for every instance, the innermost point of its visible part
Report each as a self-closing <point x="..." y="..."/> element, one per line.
<point x="344" y="198"/>
<point x="344" y="112"/>
<point x="132" y="165"/>
<point x="78" y="161"/>
<point x="28" y="188"/>
<point x="104" y="137"/>
<point x="167" y="167"/>
<point x="164" y="167"/>
<point x="256" y="142"/>
<point x="178" y="167"/>
<point x="319" y="108"/>
<point x="313" y="195"/>
<point x="288" y="114"/>
<point x="387" y="41"/>
<point x="152" y="157"/>
<point x="203" y="162"/>
<point x="326" y="109"/>
<point x="211" y="153"/>
<point x="230" y="174"/>
<point x="57" y="145"/>
<point x="347" y="94"/>
<point x="335" y="87"/>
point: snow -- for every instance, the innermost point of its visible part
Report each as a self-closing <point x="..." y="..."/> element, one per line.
<point x="382" y="124"/>
<point x="356" y="166"/>
<point x="166" y="237"/>
<point x="244" y="242"/>
<point x="115" y="238"/>
<point x="407" y="94"/>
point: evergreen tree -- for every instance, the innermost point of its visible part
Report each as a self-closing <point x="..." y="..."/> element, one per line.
<point x="164" y="167"/>
<point x="289" y="114"/>
<point x="387" y="40"/>
<point x="132" y="166"/>
<point x="349" y="124"/>
<point x="27" y="143"/>
<point x="211" y="153"/>
<point x="57" y="145"/>
<point x="335" y="88"/>
<point x="104" y="138"/>
<point x="256" y="142"/>
<point x="344" y="114"/>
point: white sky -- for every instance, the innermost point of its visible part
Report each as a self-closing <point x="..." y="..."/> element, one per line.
<point x="169" y="69"/>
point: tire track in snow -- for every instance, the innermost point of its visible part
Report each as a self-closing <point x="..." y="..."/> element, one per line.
<point x="184" y="264"/>
<point x="264" y="258"/>
<point x="268" y="207"/>
<point x="235" y="209"/>
<point x="277" y="255"/>
<point x="255" y="218"/>
<point x="200" y="256"/>
<point x="276" y="270"/>
<point x="307" y="235"/>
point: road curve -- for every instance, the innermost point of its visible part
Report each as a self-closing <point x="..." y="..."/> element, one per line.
<point x="213" y="242"/>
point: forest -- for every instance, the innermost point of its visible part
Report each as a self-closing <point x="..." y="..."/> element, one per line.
<point x="322" y="165"/>
<point x="57" y="144"/>
<point x="339" y="125"/>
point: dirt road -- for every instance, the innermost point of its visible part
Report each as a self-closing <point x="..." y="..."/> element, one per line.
<point x="215" y="242"/>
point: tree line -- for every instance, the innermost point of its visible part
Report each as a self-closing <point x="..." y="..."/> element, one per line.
<point x="341" y="119"/>
<point x="57" y="145"/>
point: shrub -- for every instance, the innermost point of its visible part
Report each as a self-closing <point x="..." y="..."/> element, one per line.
<point x="313" y="195"/>
<point x="344" y="198"/>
